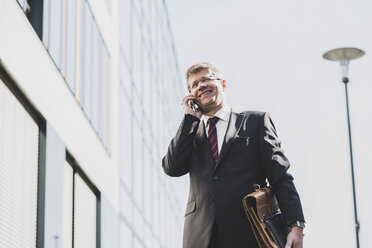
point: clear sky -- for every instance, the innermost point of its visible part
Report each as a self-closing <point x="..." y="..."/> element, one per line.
<point x="270" y="53"/>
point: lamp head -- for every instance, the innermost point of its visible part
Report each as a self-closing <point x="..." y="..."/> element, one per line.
<point x="344" y="55"/>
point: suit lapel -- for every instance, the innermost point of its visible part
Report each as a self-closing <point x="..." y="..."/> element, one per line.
<point x="233" y="127"/>
<point x="201" y="144"/>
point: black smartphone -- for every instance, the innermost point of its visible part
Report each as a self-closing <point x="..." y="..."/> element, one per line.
<point x="195" y="107"/>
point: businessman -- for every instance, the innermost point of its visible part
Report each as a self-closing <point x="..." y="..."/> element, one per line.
<point x="225" y="153"/>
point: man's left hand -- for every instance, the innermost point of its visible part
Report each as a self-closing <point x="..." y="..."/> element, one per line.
<point x="295" y="237"/>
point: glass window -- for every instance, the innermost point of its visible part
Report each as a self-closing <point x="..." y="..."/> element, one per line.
<point x="159" y="40"/>
<point x="125" y="78"/>
<point x="85" y="213"/>
<point x="95" y="75"/>
<point x="96" y="47"/>
<point x="126" y="205"/>
<point x="126" y="27"/>
<point x="156" y="198"/>
<point x="146" y="132"/>
<point x="105" y="96"/>
<point x="137" y="166"/>
<point x="55" y="31"/>
<point x="162" y="207"/>
<point x="146" y="89"/>
<point x="126" y="235"/>
<point x="138" y="8"/>
<point x="137" y="107"/>
<point x="147" y="237"/>
<point x="79" y="210"/>
<point x="67" y="206"/>
<point x="46" y="22"/>
<point x="147" y="186"/>
<point x="100" y="88"/>
<point x="138" y="223"/>
<point x="136" y="53"/>
<point x="157" y="116"/>
<point x="156" y="243"/>
<point x="137" y="244"/>
<point x="154" y="28"/>
<point x="146" y="10"/>
<point x="71" y="44"/>
<point x="19" y="145"/>
<point x="60" y="38"/>
<point x="125" y="142"/>
<point x="156" y="108"/>
<point x="87" y="61"/>
<point x="153" y="97"/>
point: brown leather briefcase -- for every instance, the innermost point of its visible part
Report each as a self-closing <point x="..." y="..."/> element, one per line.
<point x="263" y="213"/>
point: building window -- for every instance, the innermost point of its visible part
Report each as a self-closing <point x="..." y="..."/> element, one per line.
<point x="59" y="36"/>
<point x="81" y="209"/>
<point x="70" y="33"/>
<point x="126" y="235"/>
<point x="53" y="24"/>
<point x="68" y="190"/>
<point x="125" y="145"/>
<point x="125" y="29"/>
<point x="19" y="145"/>
<point x="85" y="214"/>
<point x="69" y="41"/>
<point x="95" y="75"/>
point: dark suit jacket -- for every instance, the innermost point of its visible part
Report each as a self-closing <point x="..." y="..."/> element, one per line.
<point x="250" y="153"/>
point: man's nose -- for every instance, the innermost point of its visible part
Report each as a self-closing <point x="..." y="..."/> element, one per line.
<point x="202" y="86"/>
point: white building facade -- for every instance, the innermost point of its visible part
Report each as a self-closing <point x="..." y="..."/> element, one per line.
<point x="90" y="95"/>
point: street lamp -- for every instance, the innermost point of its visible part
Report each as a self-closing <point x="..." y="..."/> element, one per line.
<point x="344" y="55"/>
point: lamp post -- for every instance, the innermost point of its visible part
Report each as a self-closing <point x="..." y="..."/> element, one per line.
<point x="344" y="55"/>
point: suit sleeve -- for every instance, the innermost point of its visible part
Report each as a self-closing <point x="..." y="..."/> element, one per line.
<point x="276" y="165"/>
<point x="176" y="161"/>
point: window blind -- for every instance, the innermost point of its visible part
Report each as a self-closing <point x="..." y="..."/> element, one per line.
<point x="19" y="142"/>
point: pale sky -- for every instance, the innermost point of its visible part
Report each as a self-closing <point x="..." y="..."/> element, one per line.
<point x="270" y="53"/>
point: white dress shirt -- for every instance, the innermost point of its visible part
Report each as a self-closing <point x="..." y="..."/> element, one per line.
<point x="221" y="125"/>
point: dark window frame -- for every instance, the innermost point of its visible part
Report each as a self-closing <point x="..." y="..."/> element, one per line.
<point x="77" y="170"/>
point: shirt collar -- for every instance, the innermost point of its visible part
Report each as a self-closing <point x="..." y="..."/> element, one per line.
<point x="222" y="114"/>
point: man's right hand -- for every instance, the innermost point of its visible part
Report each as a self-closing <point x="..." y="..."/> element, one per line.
<point x="187" y="106"/>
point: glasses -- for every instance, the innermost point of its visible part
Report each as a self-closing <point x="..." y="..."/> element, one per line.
<point x="204" y="80"/>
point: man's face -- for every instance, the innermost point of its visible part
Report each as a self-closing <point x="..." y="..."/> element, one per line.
<point x="208" y="90"/>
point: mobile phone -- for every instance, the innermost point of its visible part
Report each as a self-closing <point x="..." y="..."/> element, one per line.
<point x="195" y="107"/>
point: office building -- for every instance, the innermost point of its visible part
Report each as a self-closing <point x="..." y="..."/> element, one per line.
<point x="90" y="95"/>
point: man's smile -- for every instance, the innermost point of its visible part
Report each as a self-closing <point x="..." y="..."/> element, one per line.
<point x="207" y="92"/>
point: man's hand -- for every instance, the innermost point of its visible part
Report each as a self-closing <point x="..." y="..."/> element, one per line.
<point x="187" y="106"/>
<point x="295" y="237"/>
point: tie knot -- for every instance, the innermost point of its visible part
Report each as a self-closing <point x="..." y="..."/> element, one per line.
<point x="212" y="121"/>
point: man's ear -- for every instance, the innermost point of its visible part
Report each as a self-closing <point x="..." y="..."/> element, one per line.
<point x="223" y="83"/>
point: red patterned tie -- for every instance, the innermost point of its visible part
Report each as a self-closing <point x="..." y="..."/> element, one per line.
<point x="212" y="136"/>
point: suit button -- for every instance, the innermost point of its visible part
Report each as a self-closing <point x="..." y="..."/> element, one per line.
<point x="211" y="199"/>
<point x="215" y="178"/>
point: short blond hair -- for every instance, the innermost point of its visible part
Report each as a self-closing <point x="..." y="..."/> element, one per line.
<point x="195" y="69"/>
